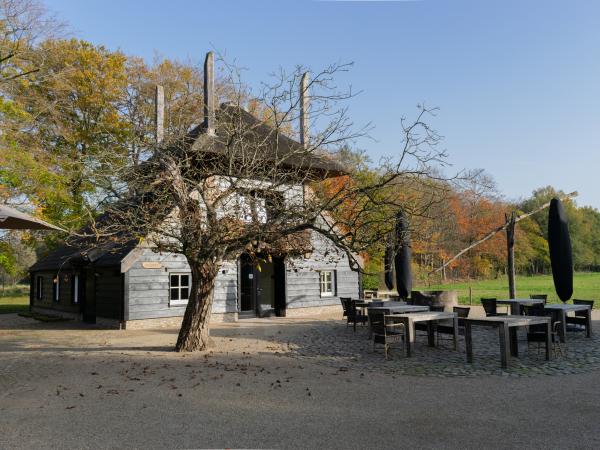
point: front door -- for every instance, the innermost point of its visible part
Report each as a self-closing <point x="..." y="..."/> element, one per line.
<point x="248" y="285"/>
<point x="88" y="299"/>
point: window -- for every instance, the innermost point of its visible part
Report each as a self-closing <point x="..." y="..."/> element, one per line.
<point x="75" y="289"/>
<point x="179" y="288"/>
<point x="56" y="288"/>
<point x="327" y="283"/>
<point x="39" y="288"/>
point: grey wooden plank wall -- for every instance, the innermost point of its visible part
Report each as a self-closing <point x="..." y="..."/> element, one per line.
<point x="303" y="282"/>
<point x="148" y="289"/>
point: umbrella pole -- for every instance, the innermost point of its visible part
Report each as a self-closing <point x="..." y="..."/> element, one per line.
<point x="510" y="244"/>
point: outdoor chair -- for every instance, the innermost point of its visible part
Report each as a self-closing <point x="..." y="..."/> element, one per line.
<point x="578" y="320"/>
<point x="539" y="297"/>
<point x="343" y="300"/>
<point x="491" y="307"/>
<point x="385" y="330"/>
<point x="447" y="326"/>
<point x="353" y="316"/>
<point x="537" y="333"/>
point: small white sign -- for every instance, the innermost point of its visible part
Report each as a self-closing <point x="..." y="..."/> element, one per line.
<point x="250" y="276"/>
<point x="151" y="265"/>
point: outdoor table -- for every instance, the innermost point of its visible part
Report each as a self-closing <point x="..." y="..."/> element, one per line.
<point x="560" y="310"/>
<point x="507" y="331"/>
<point x="516" y="303"/>
<point x="409" y="320"/>
<point x="400" y="308"/>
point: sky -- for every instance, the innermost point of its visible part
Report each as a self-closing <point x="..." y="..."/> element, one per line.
<point x="517" y="83"/>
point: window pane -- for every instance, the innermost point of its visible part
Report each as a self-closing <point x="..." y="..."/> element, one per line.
<point x="184" y="293"/>
<point x="174" y="280"/>
<point x="185" y="280"/>
<point x="175" y="294"/>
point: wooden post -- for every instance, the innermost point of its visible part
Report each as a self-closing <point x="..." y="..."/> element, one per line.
<point x="209" y="94"/>
<point x="510" y="245"/>
<point x="470" y="295"/>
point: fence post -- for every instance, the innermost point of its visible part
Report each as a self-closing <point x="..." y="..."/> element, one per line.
<point x="470" y="295"/>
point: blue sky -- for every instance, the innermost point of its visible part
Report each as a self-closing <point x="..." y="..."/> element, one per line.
<point x="517" y="82"/>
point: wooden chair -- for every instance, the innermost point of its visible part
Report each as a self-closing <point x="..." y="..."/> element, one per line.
<point x="539" y="297"/>
<point x="447" y="326"/>
<point x="579" y="321"/>
<point x="343" y="300"/>
<point x="537" y="333"/>
<point x="491" y="307"/>
<point x="384" y="330"/>
<point x="353" y="316"/>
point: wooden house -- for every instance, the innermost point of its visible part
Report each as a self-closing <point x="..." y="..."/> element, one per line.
<point x="135" y="286"/>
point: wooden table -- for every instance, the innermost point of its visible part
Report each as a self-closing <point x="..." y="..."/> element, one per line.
<point x="507" y="332"/>
<point x="399" y="308"/>
<point x="409" y="320"/>
<point x="559" y="312"/>
<point x="516" y="303"/>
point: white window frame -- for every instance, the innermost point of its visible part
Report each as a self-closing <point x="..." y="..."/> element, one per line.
<point x="57" y="290"/>
<point x="75" y="293"/>
<point x="323" y="283"/>
<point x="179" y="288"/>
<point x="40" y="287"/>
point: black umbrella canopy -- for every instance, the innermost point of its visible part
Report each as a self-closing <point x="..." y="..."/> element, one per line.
<point x="403" y="256"/>
<point x="388" y="263"/>
<point x="561" y="254"/>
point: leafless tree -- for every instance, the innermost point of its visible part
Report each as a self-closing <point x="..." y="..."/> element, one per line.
<point x="235" y="184"/>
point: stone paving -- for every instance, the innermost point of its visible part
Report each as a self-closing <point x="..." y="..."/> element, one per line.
<point x="332" y="344"/>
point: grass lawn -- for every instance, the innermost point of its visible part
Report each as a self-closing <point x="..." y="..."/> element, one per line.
<point x="585" y="286"/>
<point x="14" y="299"/>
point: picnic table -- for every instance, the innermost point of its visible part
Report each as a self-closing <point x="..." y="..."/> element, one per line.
<point x="507" y="332"/>
<point x="516" y="303"/>
<point x="409" y="320"/>
<point x="559" y="312"/>
<point x="400" y="308"/>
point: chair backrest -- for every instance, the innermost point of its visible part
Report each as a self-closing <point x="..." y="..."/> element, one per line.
<point x="539" y="297"/>
<point x="489" y="306"/>
<point x="350" y="307"/>
<point x="461" y="311"/>
<point x="344" y="300"/>
<point x="590" y="303"/>
<point x="376" y="321"/>
<point x="536" y="309"/>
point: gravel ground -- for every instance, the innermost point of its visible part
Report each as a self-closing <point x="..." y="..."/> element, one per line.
<point x="63" y="385"/>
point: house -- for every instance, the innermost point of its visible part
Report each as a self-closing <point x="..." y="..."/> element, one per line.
<point x="135" y="286"/>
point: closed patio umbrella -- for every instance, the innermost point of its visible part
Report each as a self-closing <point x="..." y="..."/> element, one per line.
<point x="403" y="257"/>
<point x="561" y="254"/>
<point x="388" y="263"/>
<point x="11" y="219"/>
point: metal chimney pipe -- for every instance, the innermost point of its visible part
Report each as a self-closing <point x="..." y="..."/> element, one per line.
<point x="209" y="94"/>
<point x="304" y="105"/>
<point x="159" y="113"/>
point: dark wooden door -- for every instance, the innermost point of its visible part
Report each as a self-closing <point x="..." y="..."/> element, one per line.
<point x="279" y="278"/>
<point x="248" y="284"/>
<point x="88" y="293"/>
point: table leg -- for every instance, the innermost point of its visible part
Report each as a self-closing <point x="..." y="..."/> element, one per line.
<point x="504" y="345"/>
<point x="548" y="339"/>
<point x="562" y="331"/>
<point x="514" y="344"/>
<point x="431" y="333"/>
<point x="455" y="332"/>
<point x="408" y="335"/>
<point x="588" y="323"/>
<point x="468" y="342"/>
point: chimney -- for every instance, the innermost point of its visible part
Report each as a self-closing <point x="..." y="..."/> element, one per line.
<point x="159" y="113"/>
<point x="209" y="94"/>
<point x="304" y="104"/>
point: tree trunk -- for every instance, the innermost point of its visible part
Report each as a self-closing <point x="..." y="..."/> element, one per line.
<point x="194" y="333"/>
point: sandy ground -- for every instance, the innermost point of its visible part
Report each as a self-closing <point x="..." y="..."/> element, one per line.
<point x="64" y="385"/>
